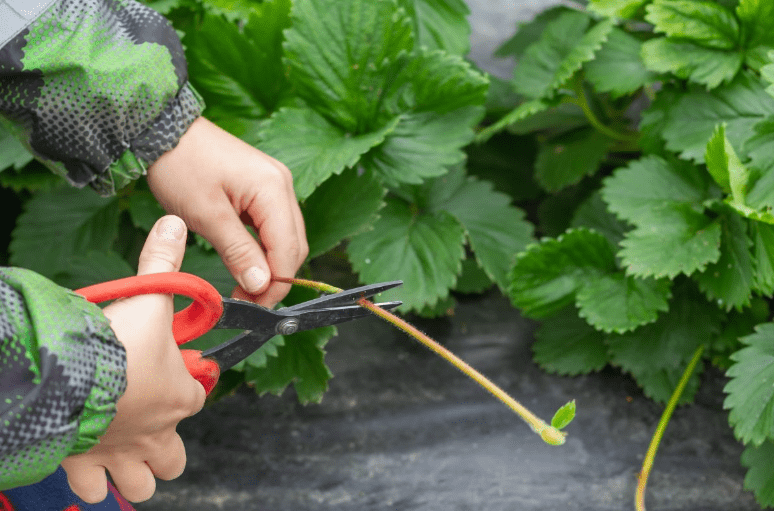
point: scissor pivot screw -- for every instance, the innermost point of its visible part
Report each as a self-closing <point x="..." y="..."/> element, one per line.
<point x="287" y="326"/>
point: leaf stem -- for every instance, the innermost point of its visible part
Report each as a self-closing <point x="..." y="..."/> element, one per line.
<point x="582" y="101"/>
<point x="549" y="434"/>
<point x="647" y="464"/>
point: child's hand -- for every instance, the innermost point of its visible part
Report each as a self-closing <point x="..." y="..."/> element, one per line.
<point x="141" y="442"/>
<point x="215" y="182"/>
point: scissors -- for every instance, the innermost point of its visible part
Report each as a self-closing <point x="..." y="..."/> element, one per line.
<point x="211" y="310"/>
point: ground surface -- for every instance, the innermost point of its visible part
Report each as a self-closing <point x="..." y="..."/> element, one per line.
<point x="401" y="430"/>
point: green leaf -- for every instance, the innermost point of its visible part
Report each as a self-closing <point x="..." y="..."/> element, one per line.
<point x="564" y="415"/>
<point x="424" y="250"/>
<point x="313" y="148"/>
<point x="93" y="268"/>
<point x="432" y="81"/>
<point x="639" y="192"/>
<point x="691" y="61"/>
<point x="750" y="393"/>
<point x="563" y="48"/>
<point x="529" y="32"/>
<point x="619" y="303"/>
<point x="616" y="8"/>
<point x="656" y="354"/>
<point x="546" y="276"/>
<point x="342" y="54"/>
<point x="331" y="215"/>
<point x="760" y="473"/>
<point x="298" y="359"/>
<point x="618" y="67"/>
<point x="692" y="120"/>
<point x="659" y="385"/>
<point x="730" y="280"/>
<point x="423" y="145"/>
<point x="707" y="23"/>
<point x="62" y="223"/>
<point x="565" y="160"/>
<point x="593" y="214"/>
<point x="12" y="152"/>
<point x="760" y="149"/>
<point x="565" y="344"/>
<point x="763" y="257"/>
<point x="217" y="56"/>
<point x="757" y="19"/>
<point x="521" y="112"/>
<point x="234" y="9"/>
<point x="676" y="240"/>
<point x="144" y="210"/>
<point x="496" y="230"/>
<point x="727" y="169"/>
<point x="440" y="24"/>
<point x="34" y="177"/>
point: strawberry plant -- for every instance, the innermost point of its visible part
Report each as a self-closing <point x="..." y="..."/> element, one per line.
<point x="370" y="103"/>
<point x="654" y="123"/>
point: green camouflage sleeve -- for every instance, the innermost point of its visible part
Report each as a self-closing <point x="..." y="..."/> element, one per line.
<point x="96" y="89"/>
<point x="61" y="372"/>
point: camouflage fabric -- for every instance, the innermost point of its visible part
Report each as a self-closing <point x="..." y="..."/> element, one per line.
<point x="96" y="89"/>
<point x="61" y="372"/>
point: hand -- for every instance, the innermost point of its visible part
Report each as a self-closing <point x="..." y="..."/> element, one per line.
<point x="141" y="441"/>
<point x="215" y="182"/>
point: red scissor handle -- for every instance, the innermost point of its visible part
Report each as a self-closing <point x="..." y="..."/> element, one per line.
<point x="190" y="323"/>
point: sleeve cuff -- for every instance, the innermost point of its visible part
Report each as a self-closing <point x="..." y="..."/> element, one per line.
<point x="161" y="136"/>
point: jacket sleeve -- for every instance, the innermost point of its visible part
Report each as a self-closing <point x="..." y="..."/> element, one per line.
<point x="97" y="90"/>
<point x="61" y="372"/>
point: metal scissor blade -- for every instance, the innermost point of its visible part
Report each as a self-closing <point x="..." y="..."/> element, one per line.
<point x="346" y="297"/>
<point x="243" y="345"/>
<point x="238" y="348"/>
<point x="316" y="318"/>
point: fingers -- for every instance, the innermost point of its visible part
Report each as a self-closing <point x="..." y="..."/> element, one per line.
<point x="134" y="480"/>
<point x="239" y="251"/>
<point x="169" y="462"/>
<point x="165" y="247"/>
<point x="86" y="480"/>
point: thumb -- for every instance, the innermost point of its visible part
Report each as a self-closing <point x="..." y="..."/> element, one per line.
<point x="165" y="247"/>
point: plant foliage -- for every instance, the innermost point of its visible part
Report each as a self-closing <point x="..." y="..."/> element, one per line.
<point x="656" y="208"/>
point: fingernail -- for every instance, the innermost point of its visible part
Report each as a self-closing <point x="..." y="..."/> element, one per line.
<point x="253" y="279"/>
<point x="170" y="229"/>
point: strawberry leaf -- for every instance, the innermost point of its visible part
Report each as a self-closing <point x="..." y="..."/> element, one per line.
<point x="563" y="48"/>
<point x="760" y="473"/>
<point x="616" y="8"/>
<point x="59" y="224"/>
<point x="565" y="344"/>
<point x="342" y="54"/>
<point x="440" y="24"/>
<point x="424" y="249"/>
<point x="730" y="280"/>
<point x="750" y="398"/>
<point x="675" y="240"/>
<point x="565" y="160"/>
<point x="313" y="148"/>
<point x="618" y="67"/>
<point x="326" y="226"/>
<point x="691" y="121"/>
<point x="495" y="230"/>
